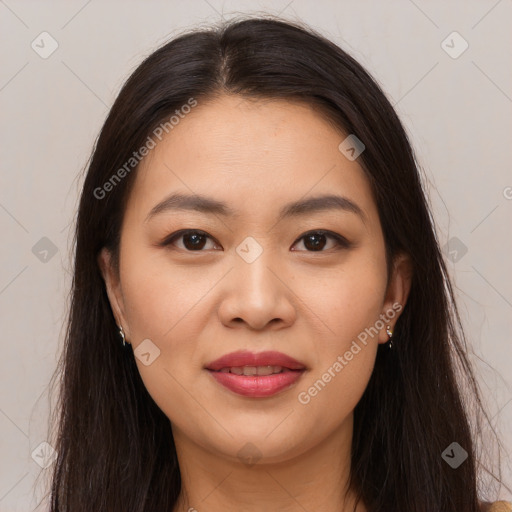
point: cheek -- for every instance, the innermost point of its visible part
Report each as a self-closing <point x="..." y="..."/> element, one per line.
<point x="350" y="304"/>
<point x="332" y="392"/>
<point x="348" y="301"/>
<point x="163" y="304"/>
<point x="160" y="298"/>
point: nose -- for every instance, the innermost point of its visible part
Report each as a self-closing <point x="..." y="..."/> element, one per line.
<point x="256" y="295"/>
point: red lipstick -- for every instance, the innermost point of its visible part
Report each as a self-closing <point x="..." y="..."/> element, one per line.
<point x="256" y="375"/>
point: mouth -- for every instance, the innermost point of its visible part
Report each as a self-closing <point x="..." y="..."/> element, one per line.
<point x="245" y="382"/>
<point x="256" y="375"/>
<point x="244" y="362"/>
<point x="258" y="371"/>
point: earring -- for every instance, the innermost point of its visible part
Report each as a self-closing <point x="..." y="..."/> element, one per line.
<point x="121" y="333"/>
<point x="390" y="334"/>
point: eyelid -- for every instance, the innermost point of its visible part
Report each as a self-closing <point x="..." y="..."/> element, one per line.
<point x="177" y="234"/>
<point x="341" y="241"/>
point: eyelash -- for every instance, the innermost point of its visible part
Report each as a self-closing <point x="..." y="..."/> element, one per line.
<point x="341" y="242"/>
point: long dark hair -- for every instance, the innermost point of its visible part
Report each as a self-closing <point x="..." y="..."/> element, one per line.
<point x="115" y="446"/>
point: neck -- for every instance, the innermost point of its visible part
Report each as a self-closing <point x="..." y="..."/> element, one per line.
<point x="305" y="478"/>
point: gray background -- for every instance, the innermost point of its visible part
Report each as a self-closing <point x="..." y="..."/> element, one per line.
<point x="456" y="110"/>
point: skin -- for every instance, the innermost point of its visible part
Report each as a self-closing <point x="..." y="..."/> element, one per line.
<point x="196" y="305"/>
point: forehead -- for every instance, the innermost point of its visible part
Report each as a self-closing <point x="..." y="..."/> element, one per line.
<point x="252" y="155"/>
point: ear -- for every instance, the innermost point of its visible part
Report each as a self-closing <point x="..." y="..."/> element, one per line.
<point x="396" y="294"/>
<point x="114" y="291"/>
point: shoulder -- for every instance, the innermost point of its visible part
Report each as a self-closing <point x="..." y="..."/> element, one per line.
<point x="497" y="506"/>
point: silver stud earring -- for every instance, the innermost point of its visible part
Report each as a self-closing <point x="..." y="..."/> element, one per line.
<point x="390" y="334"/>
<point x="121" y="333"/>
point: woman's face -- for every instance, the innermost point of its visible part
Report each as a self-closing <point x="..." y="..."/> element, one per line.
<point x="258" y="276"/>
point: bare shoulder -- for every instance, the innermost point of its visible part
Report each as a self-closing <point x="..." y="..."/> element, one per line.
<point x="497" y="506"/>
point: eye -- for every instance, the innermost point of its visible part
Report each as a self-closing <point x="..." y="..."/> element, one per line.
<point x="315" y="241"/>
<point x="193" y="239"/>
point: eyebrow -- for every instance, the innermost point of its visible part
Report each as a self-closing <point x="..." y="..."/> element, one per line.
<point x="203" y="204"/>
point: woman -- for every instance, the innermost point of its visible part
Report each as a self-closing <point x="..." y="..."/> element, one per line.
<point x="261" y="315"/>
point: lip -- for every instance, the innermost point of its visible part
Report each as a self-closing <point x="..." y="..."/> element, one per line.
<point x="247" y="358"/>
<point x="256" y="386"/>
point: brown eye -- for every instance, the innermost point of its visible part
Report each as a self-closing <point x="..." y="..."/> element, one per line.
<point x="193" y="240"/>
<point x="315" y="241"/>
